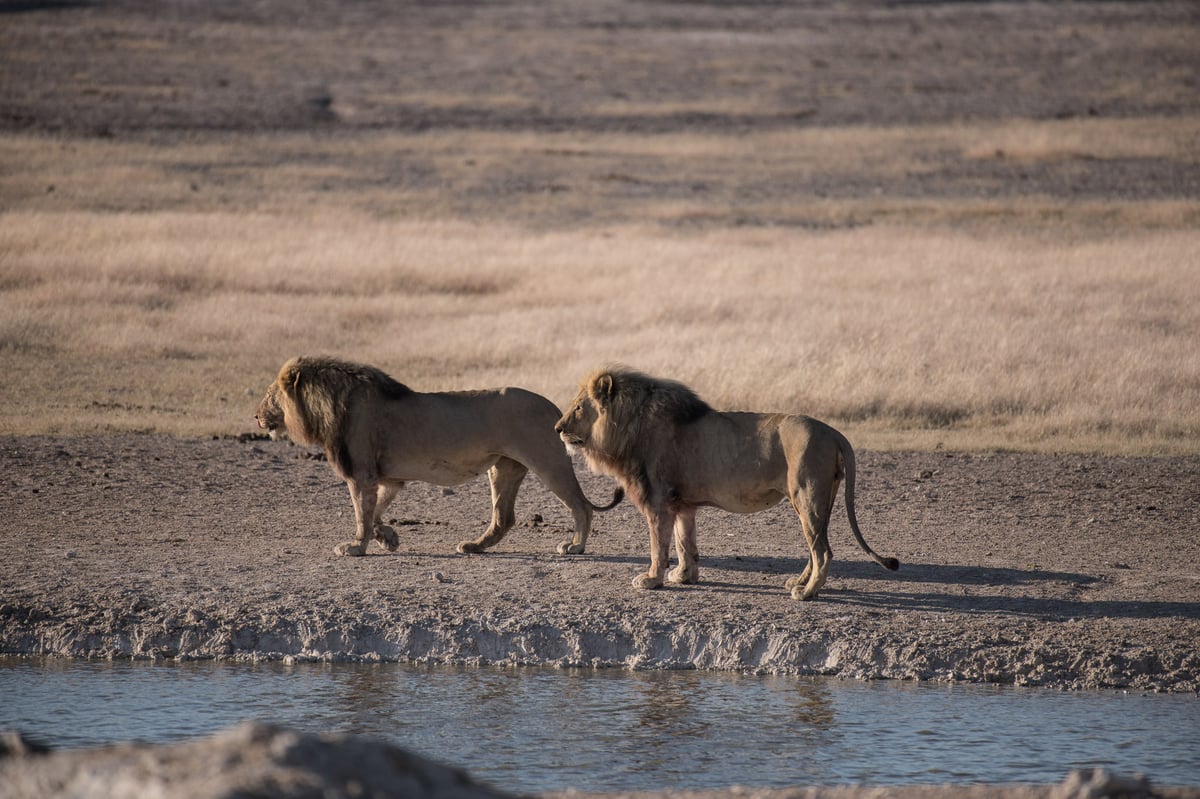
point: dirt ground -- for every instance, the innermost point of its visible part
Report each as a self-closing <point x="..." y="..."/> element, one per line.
<point x="166" y="74"/>
<point x="1066" y="571"/>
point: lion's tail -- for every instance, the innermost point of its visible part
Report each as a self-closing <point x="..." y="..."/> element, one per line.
<point x="891" y="564"/>
<point x="618" y="495"/>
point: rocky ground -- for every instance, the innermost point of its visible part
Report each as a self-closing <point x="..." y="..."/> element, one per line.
<point x="1064" y="571"/>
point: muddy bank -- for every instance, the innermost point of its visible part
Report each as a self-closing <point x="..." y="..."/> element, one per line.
<point x="1070" y="572"/>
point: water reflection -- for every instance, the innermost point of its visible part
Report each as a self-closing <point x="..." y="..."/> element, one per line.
<point x="664" y="703"/>
<point x="814" y="710"/>
<point x="536" y="730"/>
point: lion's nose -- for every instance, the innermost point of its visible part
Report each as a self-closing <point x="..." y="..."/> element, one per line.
<point x="558" y="427"/>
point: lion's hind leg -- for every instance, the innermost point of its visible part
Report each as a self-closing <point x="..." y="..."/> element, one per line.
<point x="505" y="478"/>
<point x="792" y="582"/>
<point x="813" y="502"/>
<point x="581" y="513"/>
<point x="558" y="475"/>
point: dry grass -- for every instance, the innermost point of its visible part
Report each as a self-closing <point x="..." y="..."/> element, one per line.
<point x="857" y="274"/>
<point x="904" y="336"/>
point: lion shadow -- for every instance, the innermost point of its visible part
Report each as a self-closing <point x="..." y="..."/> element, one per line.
<point x="907" y="598"/>
<point x="1040" y="608"/>
<point x="909" y="572"/>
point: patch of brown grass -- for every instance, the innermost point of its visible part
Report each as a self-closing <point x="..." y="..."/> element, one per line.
<point x="904" y="337"/>
<point x="871" y="276"/>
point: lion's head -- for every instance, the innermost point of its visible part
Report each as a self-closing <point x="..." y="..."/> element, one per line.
<point x="576" y="425"/>
<point x="270" y="413"/>
<point x="617" y="408"/>
<point x="309" y="398"/>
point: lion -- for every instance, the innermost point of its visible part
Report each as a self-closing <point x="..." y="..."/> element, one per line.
<point x="674" y="454"/>
<point x="379" y="434"/>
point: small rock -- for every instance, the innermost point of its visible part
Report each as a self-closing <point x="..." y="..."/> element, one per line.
<point x="1098" y="783"/>
<point x="14" y="744"/>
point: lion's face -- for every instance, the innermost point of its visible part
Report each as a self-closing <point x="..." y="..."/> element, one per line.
<point x="575" y="426"/>
<point x="270" y="413"/>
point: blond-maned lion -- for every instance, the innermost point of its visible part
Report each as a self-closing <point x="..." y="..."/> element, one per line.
<point x="379" y="434"/>
<point x="675" y="454"/>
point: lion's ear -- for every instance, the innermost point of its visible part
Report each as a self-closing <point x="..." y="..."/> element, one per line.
<point x="604" y="388"/>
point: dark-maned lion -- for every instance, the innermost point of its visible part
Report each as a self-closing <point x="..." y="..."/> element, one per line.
<point x="379" y="434"/>
<point x="675" y="454"/>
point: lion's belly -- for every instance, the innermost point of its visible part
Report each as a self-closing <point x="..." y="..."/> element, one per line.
<point x="748" y="502"/>
<point x="438" y="471"/>
<point x="734" y="499"/>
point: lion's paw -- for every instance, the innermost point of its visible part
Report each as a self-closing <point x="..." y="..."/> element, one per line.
<point x="350" y="548"/>
<point x="469" y="548"/>
<point x="799" y="593"/>
<point x="647" y="582"/>
<point x="684" y="576"/>
<point x="386" y="537"/>
<point x="569" y="548"/>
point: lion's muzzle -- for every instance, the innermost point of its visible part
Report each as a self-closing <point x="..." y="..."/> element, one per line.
<point x="568" y="438"/>
<point x="271" y="428"/>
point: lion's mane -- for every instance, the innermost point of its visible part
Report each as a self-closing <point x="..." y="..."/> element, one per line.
<point x="318" y="395"/>
<point x="637" y="409"/>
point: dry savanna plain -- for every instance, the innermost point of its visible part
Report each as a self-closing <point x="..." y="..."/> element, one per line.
<point x="966" y="234"/>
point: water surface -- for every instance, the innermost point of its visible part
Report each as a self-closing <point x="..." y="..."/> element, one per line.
<point x="534" y="730"/>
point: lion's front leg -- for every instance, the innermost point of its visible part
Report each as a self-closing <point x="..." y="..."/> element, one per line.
<point x="363" y="495"/>
<point x="385" y="535"/>
<point x="686" y="549"/>
<point x="660" y="525"/>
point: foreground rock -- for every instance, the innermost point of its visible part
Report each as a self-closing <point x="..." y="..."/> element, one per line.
<point x="248" y="760"/>
<point x="259" y="760"/>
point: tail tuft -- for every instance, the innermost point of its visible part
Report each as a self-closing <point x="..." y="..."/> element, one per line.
<point x="618" y="495"/>
<point x="891" y="564"/>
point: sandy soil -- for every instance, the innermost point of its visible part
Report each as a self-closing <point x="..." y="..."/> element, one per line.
<point x="1069" y="571"/>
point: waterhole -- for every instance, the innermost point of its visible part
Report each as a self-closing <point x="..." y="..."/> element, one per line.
<point x="533" y="730"/>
